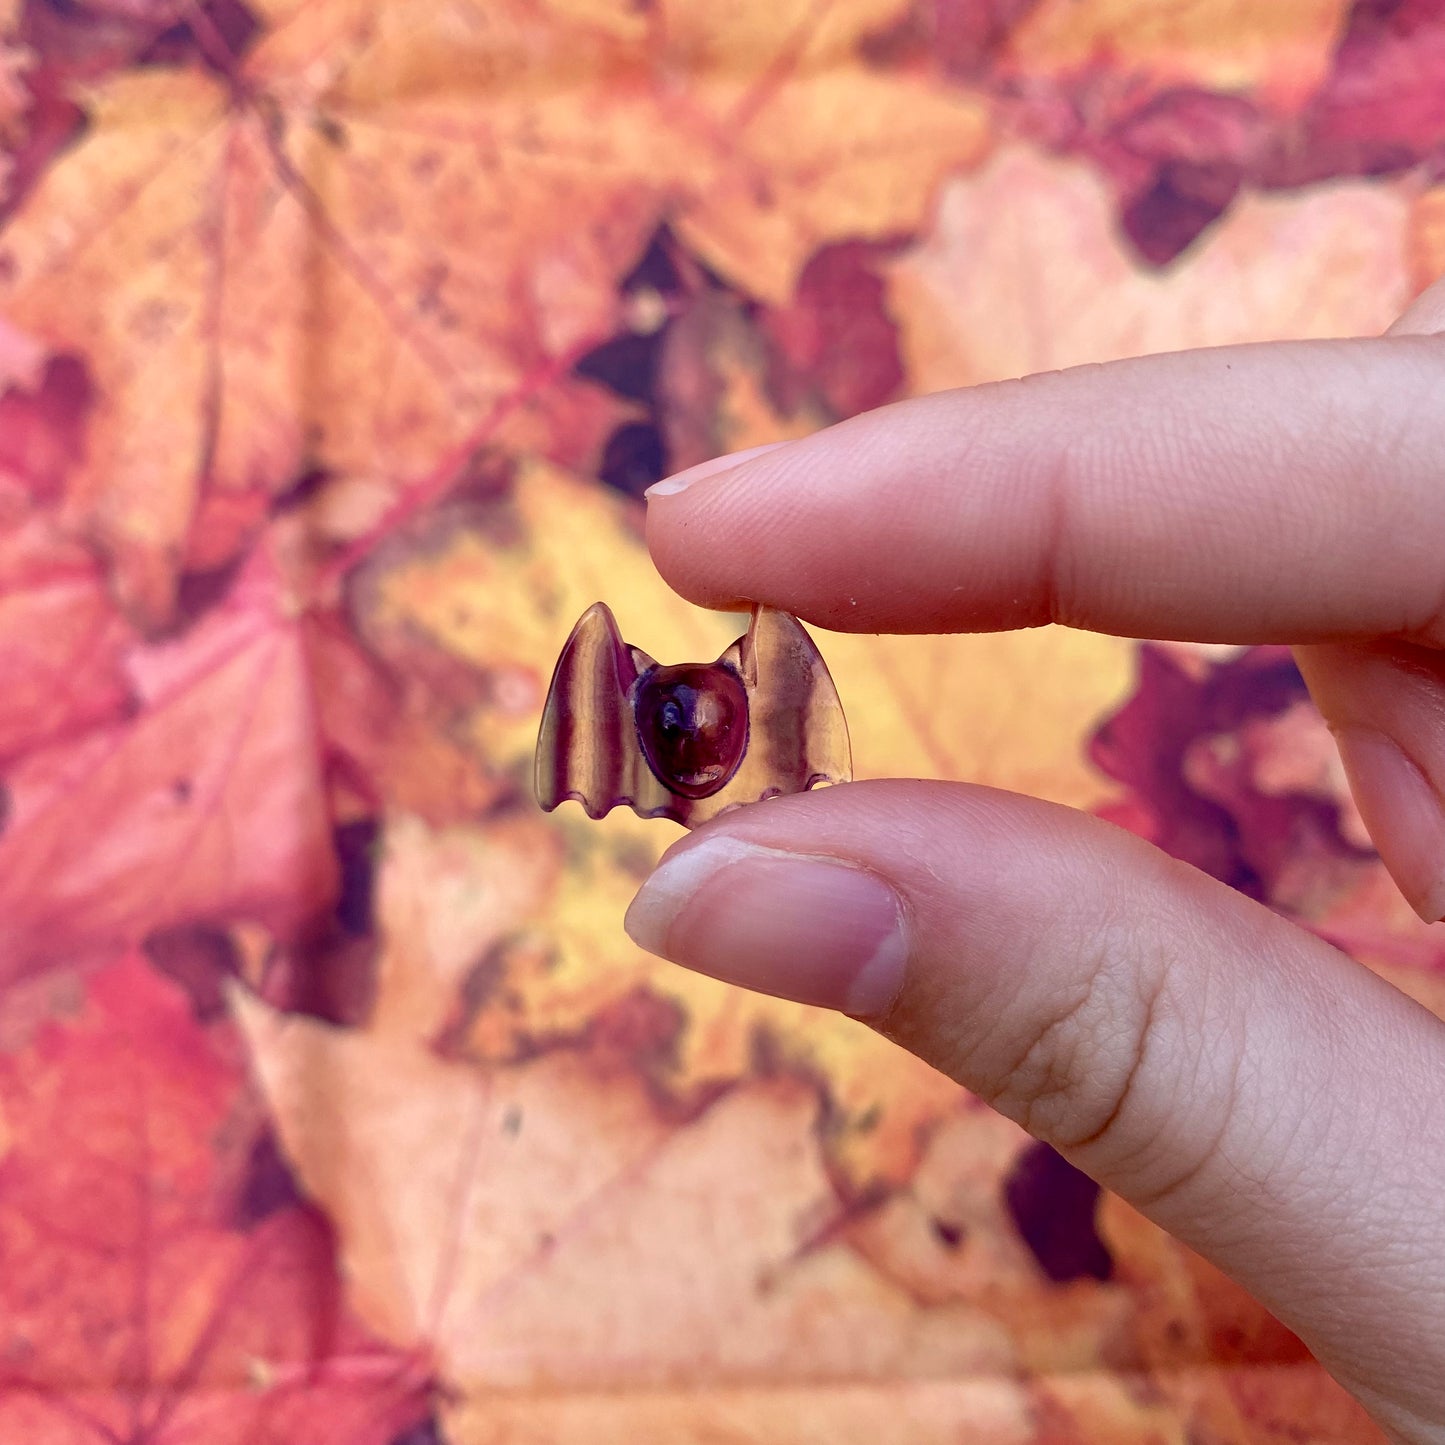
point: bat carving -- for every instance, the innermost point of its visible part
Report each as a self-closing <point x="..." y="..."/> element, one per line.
<point x="688" y="741"/>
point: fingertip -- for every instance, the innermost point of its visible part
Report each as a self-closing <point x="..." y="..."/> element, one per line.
<point x="1403" y="813"/>
<point x="1383" y="702"/>
<point x="719" y="523"/>
<point x="1006" y="506"/>
<point x="680" y="482"/>
<point x="812" y="928"/>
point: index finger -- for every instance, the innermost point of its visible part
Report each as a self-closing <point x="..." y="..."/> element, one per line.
<point x="1286" y="492"/>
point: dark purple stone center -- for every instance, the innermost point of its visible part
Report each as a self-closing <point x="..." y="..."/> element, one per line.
<point x="692" y="721"/>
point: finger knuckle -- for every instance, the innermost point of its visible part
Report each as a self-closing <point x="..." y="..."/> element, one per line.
<point x="1101" y="1075"/>
<point x="1080" y="1061"/>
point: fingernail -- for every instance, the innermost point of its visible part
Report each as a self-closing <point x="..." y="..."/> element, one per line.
<point x="1403" y="812"/>
<point x="808" y="929"/>
<point x="670" y="486"/>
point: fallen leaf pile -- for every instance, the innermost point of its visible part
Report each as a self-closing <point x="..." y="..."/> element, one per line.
<point x="337" y="341"/>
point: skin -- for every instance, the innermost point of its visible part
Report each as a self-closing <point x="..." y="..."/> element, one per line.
<point x="1270" y="1102"/>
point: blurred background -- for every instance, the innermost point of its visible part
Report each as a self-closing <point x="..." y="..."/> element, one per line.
<point x="338" y="341"/>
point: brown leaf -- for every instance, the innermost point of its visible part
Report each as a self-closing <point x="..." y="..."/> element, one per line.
<point x="562" y="1181"/>
<point x="922" y="1412"/>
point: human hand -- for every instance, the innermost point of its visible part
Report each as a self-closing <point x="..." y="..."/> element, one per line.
<point x="1273" y="1104"/>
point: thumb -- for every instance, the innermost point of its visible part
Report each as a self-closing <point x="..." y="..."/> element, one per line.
<point x="1241" y="1082"/>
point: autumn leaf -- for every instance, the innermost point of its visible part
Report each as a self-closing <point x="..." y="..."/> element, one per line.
<point x="571" y="1232"/>
<point x="137" y="1303"/>
<point x="1066" y="292"/>
<point x="1195" y="747"/>
<point x="393" y="739"/>
<point x="1282" y="52"/>
<point x="564" y="1182"/>
<point x="925" y="1412"/>
<point x="1381" y="108"/>
<point x="347" y="145"/>
<point x="1229" y="766"/>
<point x="334" y="332"/>
<point x="1202" y="1343"/>
<point x="45" y="402"/>
<point x="205" y="798"/>
<point x="62" y="645"/>
<point x="15" y="60"/>
<point x="836" y="334"/>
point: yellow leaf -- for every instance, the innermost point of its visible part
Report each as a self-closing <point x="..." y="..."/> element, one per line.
<point x="1282" y="51"/>
<point x="844" y="153"/>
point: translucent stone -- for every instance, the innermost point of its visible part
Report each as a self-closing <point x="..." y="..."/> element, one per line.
<point x="688" y="740"/>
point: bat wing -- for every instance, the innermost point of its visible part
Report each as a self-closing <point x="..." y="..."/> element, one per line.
<point x="587" y="731"/>
<point x="798" y="736"/>
<point x="587" y="747"/>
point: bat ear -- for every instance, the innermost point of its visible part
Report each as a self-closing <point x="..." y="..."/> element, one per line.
<point x="586" y="723"/>
<point x="773" y="638"/>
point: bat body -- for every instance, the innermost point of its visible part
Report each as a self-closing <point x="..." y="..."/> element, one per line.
<point x="689" y="740"/>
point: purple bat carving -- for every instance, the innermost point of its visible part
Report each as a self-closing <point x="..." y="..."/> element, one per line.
<point x="688" y="741"/>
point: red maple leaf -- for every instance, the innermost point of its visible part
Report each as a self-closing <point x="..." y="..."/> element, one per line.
<point x="140" y="1300"/>
<point x="209" y="801"/>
